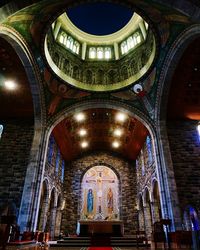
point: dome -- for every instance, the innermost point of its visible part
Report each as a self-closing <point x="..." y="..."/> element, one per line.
<point x="100" y="62"/>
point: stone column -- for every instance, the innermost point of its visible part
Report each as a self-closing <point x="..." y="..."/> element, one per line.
<point x="141" y="220"/>
<point x="46" y="213"/>
<point x="148" y="220"/>
<point x="166" y="180"/>
<point x="155" y="211"/>
<point x="57" y="29"/>
<point x="58" y="222"/>
<point x="44" y="209"/>
<point x="52" y="222"/>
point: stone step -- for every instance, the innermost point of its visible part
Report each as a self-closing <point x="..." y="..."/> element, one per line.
<point x="97" y="240"/>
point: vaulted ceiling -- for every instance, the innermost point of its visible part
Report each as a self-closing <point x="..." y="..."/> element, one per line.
<point x="100" y="125"/>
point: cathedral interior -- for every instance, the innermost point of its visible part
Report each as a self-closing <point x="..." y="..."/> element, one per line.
<point x="99" y="127"/>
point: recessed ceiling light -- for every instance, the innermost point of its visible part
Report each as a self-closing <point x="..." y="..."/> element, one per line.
<point x="121" y="117"/>
<point x="10" y="85"/>
<point x="84" y="144"/>
<point x="80" y="117"/>
<point x="82" y="132"/>
<point x="115" y="144"/>
<point x="117" y="132"/>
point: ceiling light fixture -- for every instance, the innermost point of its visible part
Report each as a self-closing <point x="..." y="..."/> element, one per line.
<point x="82" y="132"/>
<point x="10" y="85"/>
<point x="84" y="144"/>
<point x="117" y="132"/>
<point x="80" y="117"/>
<point x="121" y="117"/>
<point x="115" y="144"/>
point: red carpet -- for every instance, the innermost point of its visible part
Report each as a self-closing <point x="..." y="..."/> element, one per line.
<point x="100" y="248"/>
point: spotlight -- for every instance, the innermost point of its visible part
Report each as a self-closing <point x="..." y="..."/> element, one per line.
<point x="80" y="117"/>
<point x="82" y="132"/>
<point x="115" y="144"/>
<point x="84" y="144"/>
<point x="117" y="132"/>
<point x="10" y="85"/>
<point x="121" y="117"/>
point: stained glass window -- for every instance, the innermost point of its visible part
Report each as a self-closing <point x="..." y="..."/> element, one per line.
<point x="1" y="130"/>
<point x="149" y="149"/>
<point x="62" y="170"/>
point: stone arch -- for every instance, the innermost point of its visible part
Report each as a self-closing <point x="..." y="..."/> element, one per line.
<point x="100" y="76"/>
<point x="88" y="76"/>
<point x="169" y="181"/>
<point x="147" y="213"/>
<point x="27" y="218"/>
<point x="172" y="59"/>
<point x="76" y="72"/>
<point x="130" y="110"/>
<point x="66" y="66"/>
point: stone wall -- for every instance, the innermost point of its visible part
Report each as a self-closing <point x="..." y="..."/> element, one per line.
<point x="185" y="151"/>
<point x="72" y="189"/>
<point x="15" y="146"/>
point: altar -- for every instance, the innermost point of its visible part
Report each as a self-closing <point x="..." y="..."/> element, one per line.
<point x="91" y="227"/>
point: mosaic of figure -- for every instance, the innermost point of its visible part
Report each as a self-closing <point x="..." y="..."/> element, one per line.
<point x="110" y="201"/>
<point x="90" y="198"/>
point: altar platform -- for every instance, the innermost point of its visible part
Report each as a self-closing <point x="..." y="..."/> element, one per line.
<point x="106" y="227"/>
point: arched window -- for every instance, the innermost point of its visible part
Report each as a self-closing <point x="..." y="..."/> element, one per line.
<point x="62" y="170"/>
<point x="1" y="130"/>
<point x="137" y="38"/>
<point x="124" y="47"/>
<point x="130" y="42"/>
<point x="100" y="53"/>
<point x="62" y="38"/>
<point x="70" y="42"/>
<point x="92" y="53"/>
<point x="50" y="149"/>
<point x="76" y="47"/>
<point x="107" y="53"/>
<point x="57" y="161"/>
<point x="142" y="162"/>
<point x="149" y="149"/>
